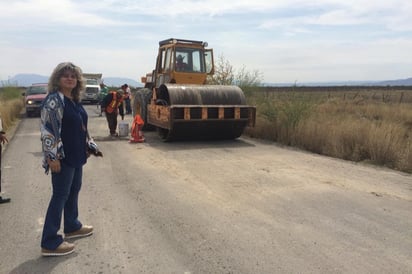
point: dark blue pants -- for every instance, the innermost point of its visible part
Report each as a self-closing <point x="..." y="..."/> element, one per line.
<point x="128" y="106"/>
<point x="66" y="186"/>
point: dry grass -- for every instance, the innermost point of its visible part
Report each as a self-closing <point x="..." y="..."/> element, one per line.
<point x="11" y="104"/>
<point x="10" y="111"/>
<point x="359" y="125"/>
<point x="355" y="129"/>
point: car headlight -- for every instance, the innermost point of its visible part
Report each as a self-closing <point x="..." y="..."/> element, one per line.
<point x="29" y="102"/>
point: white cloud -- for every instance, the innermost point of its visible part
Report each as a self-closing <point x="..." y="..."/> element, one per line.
<point x="34" y="13"/>
<point x="393" y="15"/>
<point x="286" y="39"/>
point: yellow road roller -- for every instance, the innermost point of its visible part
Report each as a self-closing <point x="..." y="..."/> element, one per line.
<point x="178" y="103"/>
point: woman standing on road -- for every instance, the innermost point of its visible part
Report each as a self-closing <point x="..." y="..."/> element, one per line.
<point x="64" y="142"/>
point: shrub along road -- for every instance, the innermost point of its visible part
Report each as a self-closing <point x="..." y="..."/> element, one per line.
<point x="242" y="206"/>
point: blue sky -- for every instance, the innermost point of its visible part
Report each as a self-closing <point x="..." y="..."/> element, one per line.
<point x="286" y="40"/>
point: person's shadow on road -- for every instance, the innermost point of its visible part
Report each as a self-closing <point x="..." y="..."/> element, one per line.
<point x="40" y="265"/>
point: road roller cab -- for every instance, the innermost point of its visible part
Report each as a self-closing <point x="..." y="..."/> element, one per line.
<point x="177" y="101"/>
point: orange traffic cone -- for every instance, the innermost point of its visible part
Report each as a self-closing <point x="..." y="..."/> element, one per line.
<point x="136" y="131"/>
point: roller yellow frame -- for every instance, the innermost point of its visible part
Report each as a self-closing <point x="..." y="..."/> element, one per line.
<point x="177" y="101"/>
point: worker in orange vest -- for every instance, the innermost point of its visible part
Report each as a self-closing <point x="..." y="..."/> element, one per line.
<point x="112" y="105"/>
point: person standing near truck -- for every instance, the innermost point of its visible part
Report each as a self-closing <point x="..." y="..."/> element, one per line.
<point x="3" y="140"/>
<point x="103" y="92"/>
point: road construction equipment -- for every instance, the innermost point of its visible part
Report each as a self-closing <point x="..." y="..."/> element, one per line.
<point x="177" y="101"/>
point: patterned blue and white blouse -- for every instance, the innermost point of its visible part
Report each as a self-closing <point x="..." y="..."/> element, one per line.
<point x="50" y="128"/>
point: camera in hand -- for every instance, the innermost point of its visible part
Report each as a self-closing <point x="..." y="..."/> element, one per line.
<point x="94" y="149"/>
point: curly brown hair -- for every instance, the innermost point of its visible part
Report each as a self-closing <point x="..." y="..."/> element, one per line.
<point x="59" y="71"/>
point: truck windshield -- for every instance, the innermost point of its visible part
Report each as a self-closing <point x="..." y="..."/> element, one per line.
<point x="37" y="90"/>
<point x="91" y="82"/>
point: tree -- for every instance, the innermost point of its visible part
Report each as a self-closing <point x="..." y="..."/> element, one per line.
<point x="226" y="75"/>
<point x="247" y="79"/>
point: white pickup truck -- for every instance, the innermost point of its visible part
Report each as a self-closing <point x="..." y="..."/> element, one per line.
<point x="92" y="92"/>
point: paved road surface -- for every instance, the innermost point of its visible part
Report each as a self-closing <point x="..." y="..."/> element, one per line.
<point x="240" y="206"/>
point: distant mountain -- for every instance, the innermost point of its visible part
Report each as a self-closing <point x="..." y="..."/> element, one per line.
<point x="118" y="82"/>
<point x="401" y="82"/>
<point x="25" y="80"/>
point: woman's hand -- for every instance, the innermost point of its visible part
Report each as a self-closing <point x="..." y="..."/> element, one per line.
<point x="3" y="139"/>
<point x="54" y="165"/>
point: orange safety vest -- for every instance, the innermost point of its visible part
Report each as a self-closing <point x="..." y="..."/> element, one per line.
<point x="114" y="104"/>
